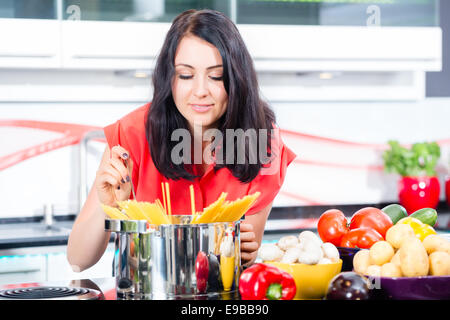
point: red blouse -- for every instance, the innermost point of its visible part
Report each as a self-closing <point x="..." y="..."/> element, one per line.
<point x="129" y="132"/>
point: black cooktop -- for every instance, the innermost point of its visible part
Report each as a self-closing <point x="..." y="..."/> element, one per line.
<point x="48" y="293"/>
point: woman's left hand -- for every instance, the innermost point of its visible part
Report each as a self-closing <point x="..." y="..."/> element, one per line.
<point x="249" y="245"/>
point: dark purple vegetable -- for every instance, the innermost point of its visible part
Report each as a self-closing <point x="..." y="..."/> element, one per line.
<point x="348" y="286"/>
<point x="214" y="272"/>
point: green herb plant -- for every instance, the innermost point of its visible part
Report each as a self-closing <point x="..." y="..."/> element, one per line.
<point x="419" y="160"/>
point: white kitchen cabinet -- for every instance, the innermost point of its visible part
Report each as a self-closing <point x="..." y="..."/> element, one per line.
<point x="58" y="267"/>
<point x="75" y="44"/>
<point x="294" y="62"/>
<point x="23" y="268"/>
<point x="111" y="45"/>
<point x="314" y="48"/>
<point x="41" y="264"/>
<point x="30" y="43"/>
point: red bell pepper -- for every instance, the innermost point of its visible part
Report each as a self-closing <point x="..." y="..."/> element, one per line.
<point x="265" y="282"/>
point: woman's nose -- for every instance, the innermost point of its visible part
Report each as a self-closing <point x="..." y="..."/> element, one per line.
<point x="200" y="87"/>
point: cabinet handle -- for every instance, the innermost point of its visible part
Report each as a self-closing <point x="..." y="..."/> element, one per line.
<point x="27" y="55"/>
<point x="112" y="57"/>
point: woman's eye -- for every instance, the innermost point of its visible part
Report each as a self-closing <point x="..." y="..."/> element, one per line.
<point x="185" y="77"/>
<point x="220" y="78"/>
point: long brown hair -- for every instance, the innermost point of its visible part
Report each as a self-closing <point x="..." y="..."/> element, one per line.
<point x="245" y="108"/>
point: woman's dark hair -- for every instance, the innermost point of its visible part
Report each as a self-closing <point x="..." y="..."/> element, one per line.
<point x="245" y="108"/>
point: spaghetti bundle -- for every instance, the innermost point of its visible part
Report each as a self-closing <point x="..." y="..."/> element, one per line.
<point x="158" y="213"/>
<point x="226" y="211"/>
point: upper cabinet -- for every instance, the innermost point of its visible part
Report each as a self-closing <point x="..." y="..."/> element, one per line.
<point x="302" y="49"/>
<point x="111" y="45"/>
<point x="34" y="44"/>
<point x="281" y="35"/>
<point x="30" y="43"/>
<point x="386" y="13"/>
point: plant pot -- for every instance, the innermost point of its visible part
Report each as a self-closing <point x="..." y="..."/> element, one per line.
<point x="447" y="190"/>
<point x="415" y="193"/>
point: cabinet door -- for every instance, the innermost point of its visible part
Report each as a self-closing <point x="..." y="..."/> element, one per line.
<point x="23" y="268"/>
<point x="60" y="269"/>
<point x="29" y="43"/>
<point x="111" y="45"/>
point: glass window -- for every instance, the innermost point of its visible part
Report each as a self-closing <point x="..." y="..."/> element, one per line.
<point x="137" y="10"/>
<point x="28" y="9"/>
<point x="339" y="12"/>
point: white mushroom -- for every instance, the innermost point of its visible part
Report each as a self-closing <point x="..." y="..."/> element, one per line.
<point x="287" y="242"/>
<point x="291" y="255"/>
<point x="330" y="251"/>
<point x="311" y="253"/>
<point x="324" y="261"/>
<point x="306" y="236"/>
<point x="270" y="252"/>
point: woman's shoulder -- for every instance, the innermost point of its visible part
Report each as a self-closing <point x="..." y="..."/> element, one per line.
<point x="137" y="117"/>
<point x="129" y="131"/>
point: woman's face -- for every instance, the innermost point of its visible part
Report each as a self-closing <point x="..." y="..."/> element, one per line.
<point x="197" y="87"/>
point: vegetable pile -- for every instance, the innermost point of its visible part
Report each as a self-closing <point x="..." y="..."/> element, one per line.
<point x="370" y="225"/>
<point x="307" y="248"/>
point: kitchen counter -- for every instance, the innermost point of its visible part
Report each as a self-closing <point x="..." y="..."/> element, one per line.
<point x="281" y="220"/>
<point x="34" y="234"/>
<point x="104" y="289"/>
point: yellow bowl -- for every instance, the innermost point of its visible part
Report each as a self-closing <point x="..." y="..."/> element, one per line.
<point x="311" y="280"/>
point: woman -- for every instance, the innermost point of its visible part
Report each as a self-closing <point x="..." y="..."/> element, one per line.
<point x="203" y="80"/>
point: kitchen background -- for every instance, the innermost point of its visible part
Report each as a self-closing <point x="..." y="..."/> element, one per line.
<point x="343" y="78"/>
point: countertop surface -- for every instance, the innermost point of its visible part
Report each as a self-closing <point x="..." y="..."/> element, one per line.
<point x="103" y="289"/>
<point x="281" y="220"/>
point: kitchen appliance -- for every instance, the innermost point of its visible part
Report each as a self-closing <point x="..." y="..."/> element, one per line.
<point x="50" y="293"/>
<point x="175" y="261"/>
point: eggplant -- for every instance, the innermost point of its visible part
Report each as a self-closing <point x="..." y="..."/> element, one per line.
<point x="348" y="286"/>
<point x="214" y="272"/>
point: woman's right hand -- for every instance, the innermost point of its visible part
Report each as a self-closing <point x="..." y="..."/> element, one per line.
<point x="113" y="179"/>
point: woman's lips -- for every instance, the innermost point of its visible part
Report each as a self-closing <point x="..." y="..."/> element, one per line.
<point x="201" y="107"/>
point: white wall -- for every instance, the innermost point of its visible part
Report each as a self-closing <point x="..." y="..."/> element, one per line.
<point x="327" y="172"/>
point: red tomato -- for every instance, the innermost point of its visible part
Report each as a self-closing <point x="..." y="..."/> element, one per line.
<point x="371" y="218"/>
<point x="332" y="225"/>
<point x="362" y="238"/>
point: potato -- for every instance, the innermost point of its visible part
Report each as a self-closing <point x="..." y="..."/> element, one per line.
<point x="380" y="253"/>
<point x="373" y="270"/>
<point x="361" y="261"/>
<point x="390" y="270"/>
<point x="439" y="263"/>
<point x="396" y="234"/>
<point x="396" y="259"/>
<point x="413" y="258"/>
<point x="434" y="243"/>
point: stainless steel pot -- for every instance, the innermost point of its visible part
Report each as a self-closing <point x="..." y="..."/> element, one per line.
<point x="175" y="261"/>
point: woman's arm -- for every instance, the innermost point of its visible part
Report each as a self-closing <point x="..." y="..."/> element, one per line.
<point x="88" y="239"/>
<point x="252" y="231"/>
